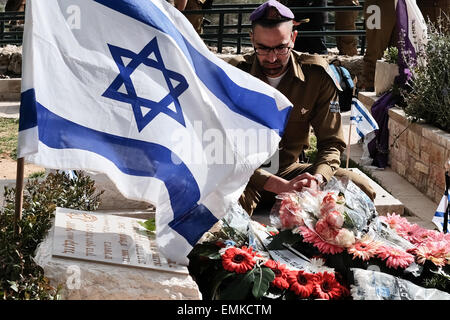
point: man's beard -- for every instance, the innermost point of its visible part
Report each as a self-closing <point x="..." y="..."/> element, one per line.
<point x="272" y="69"/>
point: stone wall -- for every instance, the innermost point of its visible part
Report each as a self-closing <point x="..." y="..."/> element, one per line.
<point x="11" y="61"/>
<point x="418" y="153"/>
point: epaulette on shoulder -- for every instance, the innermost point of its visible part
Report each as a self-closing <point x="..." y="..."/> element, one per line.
<point x="309" y="59"/>
<point x="243" y="62"/>
<point x="312" y="59"/>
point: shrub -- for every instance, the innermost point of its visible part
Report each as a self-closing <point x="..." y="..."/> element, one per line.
<point x="390" y="55"/>
<point x="427" y="95"/>
<point x="20" y="276"/>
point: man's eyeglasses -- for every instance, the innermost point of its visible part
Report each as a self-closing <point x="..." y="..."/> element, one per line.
<point x="280" y="51"/>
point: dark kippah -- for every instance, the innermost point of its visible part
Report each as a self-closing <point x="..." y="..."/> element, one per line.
<point x="271" y="12"/>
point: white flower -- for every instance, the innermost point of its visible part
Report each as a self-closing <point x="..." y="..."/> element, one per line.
<point x="318" y="265"/>
<point x="345" y="238"/>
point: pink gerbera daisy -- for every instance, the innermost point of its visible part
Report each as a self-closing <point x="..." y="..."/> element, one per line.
<point x="364" y="249"/>
<point x="394" y="220"/>
<point x="426" y="235"/>
<point x="395" y="258"/>
<point x="411" y="232"/>
<point x="435" y="251"/>
<point x="313" y="238"/>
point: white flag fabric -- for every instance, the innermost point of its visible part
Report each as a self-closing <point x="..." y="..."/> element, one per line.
<point x="362" y="118"/>
<point x="128" y="88"/>
<point x="411" y="22"/>
<point x="441" y="210"/>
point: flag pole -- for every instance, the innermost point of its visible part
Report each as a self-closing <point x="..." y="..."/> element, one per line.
<point x="351" y="123"/>
<point x="19" y="194"/>
<point x="348" y="144"/>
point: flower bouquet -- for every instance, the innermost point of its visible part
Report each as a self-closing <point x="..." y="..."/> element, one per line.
<point x="330" y="245"/>
<point x="327" y="224"/>
<point x="231" y="263"/>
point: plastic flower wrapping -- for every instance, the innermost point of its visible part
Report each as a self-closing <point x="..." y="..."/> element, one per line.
<point x="328" y="245"/>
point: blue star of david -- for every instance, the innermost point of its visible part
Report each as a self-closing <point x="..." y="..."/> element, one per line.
<point x="358" y="119"/>
<point x="125" y="72"/>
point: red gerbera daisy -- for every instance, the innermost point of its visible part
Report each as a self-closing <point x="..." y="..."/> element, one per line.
<point x="302" y="283"/>
<point x="281" y="273"/>
<point x="238" y="260"/>
<point x="327" y="287"/>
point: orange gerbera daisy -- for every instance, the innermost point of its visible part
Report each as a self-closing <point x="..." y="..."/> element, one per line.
<point x="238" y="260"/>
<point x="301" y="282"/>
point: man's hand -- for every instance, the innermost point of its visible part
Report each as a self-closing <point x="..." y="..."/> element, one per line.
<point x="303" y="182"/>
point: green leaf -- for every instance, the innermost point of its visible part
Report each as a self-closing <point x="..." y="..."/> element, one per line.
<point x="263" y="277"/>
<point x="285" y="236"/>
<point x="149" y="224"/>
<point x="218" y="279"/>
<point x="239" y="288"/>
<point x="206" y="250"/>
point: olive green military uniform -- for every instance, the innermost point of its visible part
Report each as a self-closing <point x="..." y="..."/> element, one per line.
<point x="312" y="90"/>
<point x="378" y="40"/>
<point x="345" y="20"/>
<point x="195" y="19"/>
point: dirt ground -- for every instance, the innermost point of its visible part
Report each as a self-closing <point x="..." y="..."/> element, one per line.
<point x="8" y="168"/>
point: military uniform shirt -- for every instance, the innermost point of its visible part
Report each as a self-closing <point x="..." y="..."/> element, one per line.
<point x="312" y="89"/>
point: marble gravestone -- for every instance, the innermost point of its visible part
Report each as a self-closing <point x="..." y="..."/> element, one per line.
<point x="96" y="256"/>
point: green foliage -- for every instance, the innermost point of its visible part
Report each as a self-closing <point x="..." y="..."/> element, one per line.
<point x="205" y="264"/>
<point x="20" y="276"/>
<point x="391" y="55"/>
<point x="428" y="94"/>
<point x="311" y="152"/>
<point x="149" y="224"/>
<point x="8" y="137"/>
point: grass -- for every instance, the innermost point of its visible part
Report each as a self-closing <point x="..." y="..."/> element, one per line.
<point x="8" y="138"/>
<point x="37" y="174"/>
<point x="311" y="154"/>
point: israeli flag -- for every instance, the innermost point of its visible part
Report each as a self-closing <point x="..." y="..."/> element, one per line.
<point x="362" y="118"/>
<point x="441" y="210"/>
<point x="128" y="88"/>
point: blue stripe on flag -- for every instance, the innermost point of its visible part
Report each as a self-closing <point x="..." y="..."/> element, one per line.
<point x="28" y="116"/>
<point x="439" y="214"/>
<point x="363" y="112"/>
<point x="236" y="98"/>
<point x="360" y="133"/>
<point x="132" y="157"/>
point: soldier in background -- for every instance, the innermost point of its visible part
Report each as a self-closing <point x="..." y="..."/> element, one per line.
<point x="345" y="20"/>
<point x="195" y="19"/>
<point x="316" y="22"/>
<point x="15" y="5"/>
<point x="380" y="34"/>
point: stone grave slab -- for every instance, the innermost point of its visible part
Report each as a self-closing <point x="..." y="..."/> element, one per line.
<point x="97" y="256"/>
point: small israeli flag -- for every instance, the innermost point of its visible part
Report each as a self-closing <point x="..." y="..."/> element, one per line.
<point x="441" y="210"/>
<point x="362" y="118"/>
